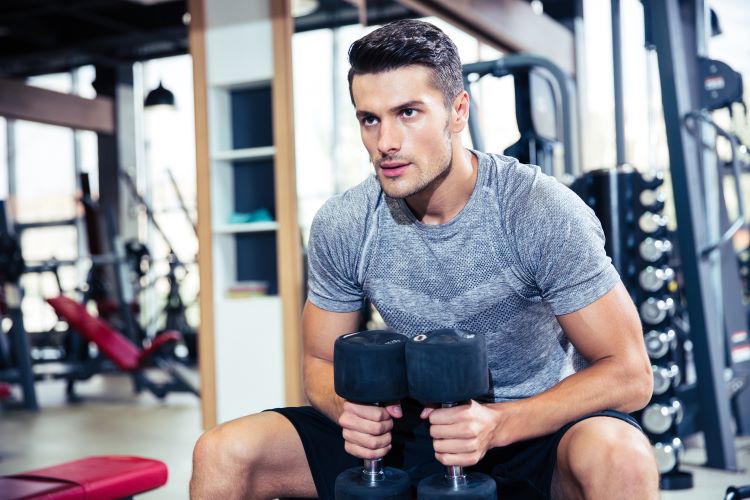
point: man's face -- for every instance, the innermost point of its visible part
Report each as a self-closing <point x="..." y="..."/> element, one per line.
<point x="405" y="127"/>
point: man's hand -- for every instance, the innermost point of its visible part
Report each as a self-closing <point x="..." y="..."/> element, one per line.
<point x="367" y="429"/>
<point x="462" y="434"/>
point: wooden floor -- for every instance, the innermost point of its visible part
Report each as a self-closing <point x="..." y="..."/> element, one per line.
<point x="112" y="420"/>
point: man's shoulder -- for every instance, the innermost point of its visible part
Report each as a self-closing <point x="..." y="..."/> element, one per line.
<point x="353" y="207"/>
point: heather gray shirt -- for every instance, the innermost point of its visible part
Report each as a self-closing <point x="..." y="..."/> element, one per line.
<point x="523" y="250"/>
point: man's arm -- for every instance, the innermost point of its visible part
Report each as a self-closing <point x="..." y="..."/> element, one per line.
<point x="320" y="329"/>
<point x="608" y="334"/>
<point x="366" y="429"/>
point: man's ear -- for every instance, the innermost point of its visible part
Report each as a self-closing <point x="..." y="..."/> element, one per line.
<point x="460" y="112"/>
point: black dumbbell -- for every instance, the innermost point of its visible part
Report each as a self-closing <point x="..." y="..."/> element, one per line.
<point x="369" y="368"/>
<point x="450" y="367"/>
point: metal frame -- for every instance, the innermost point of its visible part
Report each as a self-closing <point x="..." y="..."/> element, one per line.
<point x="678" y="41"/>
<point x="566" y="91"/>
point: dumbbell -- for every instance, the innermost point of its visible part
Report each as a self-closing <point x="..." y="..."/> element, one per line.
<point x="654" y="311"/>
<point x="668" y="454"/>
<point x="653" y="224"/>
<point x="653" y="249"/>
<point x="665" y="377"/>
<point x="658" y="343"/>
<point x="653" y="279"/>
<point x="449" y="367"/>
<point x="658" y="418"/>
<point x="369" y="368"/>
<point x="652" y="199"/>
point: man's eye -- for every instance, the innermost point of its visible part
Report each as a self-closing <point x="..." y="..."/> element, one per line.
<point x="369" y="120"/>
<point x="409" y="112"/>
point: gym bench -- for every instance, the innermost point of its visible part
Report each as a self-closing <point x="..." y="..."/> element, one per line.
<point x="105" y="477"/>
<point x="124" y="353"/>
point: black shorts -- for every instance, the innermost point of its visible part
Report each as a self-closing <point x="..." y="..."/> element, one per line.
<point x="522" y="470"/>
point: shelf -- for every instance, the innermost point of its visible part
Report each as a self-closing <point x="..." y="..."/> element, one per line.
<point x="245" y="154"/>
<point x="249" y="227"/>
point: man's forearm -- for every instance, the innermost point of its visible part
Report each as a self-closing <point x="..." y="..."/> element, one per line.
<point x="319" y="388"/>
<point x="604" y="385"/>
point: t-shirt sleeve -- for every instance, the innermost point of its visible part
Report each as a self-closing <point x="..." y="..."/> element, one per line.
<point x="332" y="260"/>
<point x="560" y="243"/>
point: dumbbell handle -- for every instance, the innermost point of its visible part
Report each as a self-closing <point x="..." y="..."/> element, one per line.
<point x="373" y="470"/>
<point x="373" y="467"/>
<point x="454" y="473"/>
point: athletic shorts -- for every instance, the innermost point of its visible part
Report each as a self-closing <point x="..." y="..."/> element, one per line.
<point x="522" y="470"/>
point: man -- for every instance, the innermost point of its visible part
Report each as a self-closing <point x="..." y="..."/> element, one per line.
<point x="443" y="236"/>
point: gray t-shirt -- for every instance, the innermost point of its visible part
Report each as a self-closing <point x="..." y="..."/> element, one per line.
<point x="524" y="249"/>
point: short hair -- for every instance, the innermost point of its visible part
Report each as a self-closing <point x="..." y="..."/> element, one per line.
<point x="404" y="43"/>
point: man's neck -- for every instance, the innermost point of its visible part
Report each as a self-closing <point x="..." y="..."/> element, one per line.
<point x="441" y="202"/>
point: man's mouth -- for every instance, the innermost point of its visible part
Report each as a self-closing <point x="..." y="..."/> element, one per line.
<point x="393" y="168"/>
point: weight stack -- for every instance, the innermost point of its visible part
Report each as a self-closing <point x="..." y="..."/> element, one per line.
<point x="631" y="211"/>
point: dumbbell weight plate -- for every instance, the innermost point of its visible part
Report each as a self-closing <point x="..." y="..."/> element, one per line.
<point x="665" y="377"/>
<point x="659" y="343"/>
<point x="447" y="366"/>
<point x="658" y="418"/>
<point x="351" y="485"/>
<point x="370" y="366"/>
<point x="668" y="454"/>
<point x="651" y="223"/>
<point x="477" y="487"/>
<point x="653" y="249"/>
<point x="652" y="279"/>
<point x="654" y="311"/>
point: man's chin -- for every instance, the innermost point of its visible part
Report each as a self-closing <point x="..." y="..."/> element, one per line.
<point x="393" y="188"/>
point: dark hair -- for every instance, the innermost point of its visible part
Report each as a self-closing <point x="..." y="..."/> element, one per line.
<point x="404" y="43"/>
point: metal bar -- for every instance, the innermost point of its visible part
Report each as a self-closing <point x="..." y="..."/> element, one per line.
<point x="504" y="65"/>
<point x="677" y="60"/>
<point x="22" y="226"/>
<point x="181" y="201"/>
<point x="617" y="73"/>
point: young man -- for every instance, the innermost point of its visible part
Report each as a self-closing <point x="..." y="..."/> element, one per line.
<point x="443" y="236"/>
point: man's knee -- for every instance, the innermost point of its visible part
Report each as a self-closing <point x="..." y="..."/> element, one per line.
<point x="228" y="445"/>
<point x="604" y="454"/>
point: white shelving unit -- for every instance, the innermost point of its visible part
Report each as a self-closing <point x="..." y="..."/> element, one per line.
<point x="248" y="343"/>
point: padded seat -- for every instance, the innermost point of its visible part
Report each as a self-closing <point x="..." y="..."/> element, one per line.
<point x="104" y="477"/>
<point x="124" y="353"/>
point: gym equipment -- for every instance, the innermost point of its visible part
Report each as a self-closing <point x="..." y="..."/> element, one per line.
<point x="737" y="492"/>
<point x="678" y="31"/>
<point x="665" y="377"/>
<point x="659" y="343"/>
<point x="369" y="368"/>
<point x="654" y="311"/>
<point x="654" y="279"/>
<point x="449" y="367"/>
<point x="652" y="250"/>
<point x="122" y="351"/>
<point x="629" y="206"/>
<point x="658" y="418"/>
<point x="668" y="454"/>
<point x="175" y="307"/>
<point x="538" y="80"/>
<point x="652" y="200"/>
<point x="15" y="357"/>
<point x="92" y="477"/>
<point x="653" y="224"/>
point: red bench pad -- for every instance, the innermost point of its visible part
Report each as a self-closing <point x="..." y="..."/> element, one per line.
<point x="114" y="345"/>
<point x="89" y="478"/>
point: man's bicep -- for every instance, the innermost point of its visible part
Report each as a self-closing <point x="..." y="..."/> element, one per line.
<point x="320" y="328"/>
<point x="608" y="327"/>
